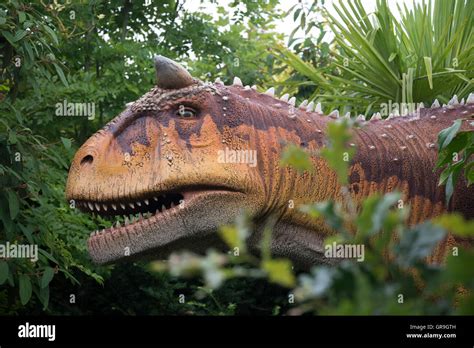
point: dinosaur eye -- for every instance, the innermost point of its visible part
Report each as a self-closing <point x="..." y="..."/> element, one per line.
<point x="186" y="112"/>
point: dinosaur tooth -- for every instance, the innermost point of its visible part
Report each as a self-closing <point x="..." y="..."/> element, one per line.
<point x="131" y="205"/>
<point x="247" y="88"/>
<point x="122" y="206"/>
<point x="97" y="206"/>
<point x="147" y="202"/>
<point x="470" y="99"/>
<point x="237" y="81"/>
<point x="319" y="108"/>
<point x="292" y="101"/>
<point x="360" y="118"/>
<point x="270" y="92"/>
<point x="304" y="103"/>
<point x="104" y="206"/>
<point x="254" y="87"/>
<point x="310" y="107"/>
<point x="218" y="80"/>
<point x="139" y="204"/>
<point x="347" y="115"/>
<point x="114" y="207"/>
<point x="334" y="113"/>
<point x="163" y="208"/>
<point x="155" y="198"/>
<point x="435" y="104"/>
<point x="462" y="101"/>
<point x="91" y="207"/>
<point x="285" y="97"/>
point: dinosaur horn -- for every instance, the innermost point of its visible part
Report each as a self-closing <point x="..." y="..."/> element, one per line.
<point x="171" y="75"/>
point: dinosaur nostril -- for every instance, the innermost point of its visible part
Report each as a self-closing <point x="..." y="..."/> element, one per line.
<point x="87" y="159"/>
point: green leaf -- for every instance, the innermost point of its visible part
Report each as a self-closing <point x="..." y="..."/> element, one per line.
<point x="3" y="271"/>
<point x="337" y="154"/>
<point x="66" y="142"/>
<point x="61" y="74"/>
<point x="429" y="70"/>
<point x="47" y="277"/>
<point x="13" y="204"/>
<point x="25" y="288"/>
<point x="51" y="33"/>
<point x="446" y="135"/>
<point x="375" y="211"/>
<point x="418" y="243"/>
<point x="329" y="210"/>
<point x="458" y="268"/>
<point x="20" y="34"/>
<point x="9" y="37"/>
<point x="297" y="158"/>
<point x="456" y="224"/>
<point x="21" y="16"/>
<point x="44" y="297"/>
<point x="279" y="271"/>
<point x="233" y="236"/>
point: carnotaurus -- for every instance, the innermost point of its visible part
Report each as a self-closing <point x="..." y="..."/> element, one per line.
<point x="159" y="157"/>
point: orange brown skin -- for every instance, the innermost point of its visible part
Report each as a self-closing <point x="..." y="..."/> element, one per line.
<point x="149" y="149"/>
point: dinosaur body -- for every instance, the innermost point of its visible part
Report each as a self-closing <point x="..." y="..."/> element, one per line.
<point x="160" y="156"/>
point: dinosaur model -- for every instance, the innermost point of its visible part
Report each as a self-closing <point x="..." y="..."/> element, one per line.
<point x="157" y="163"/>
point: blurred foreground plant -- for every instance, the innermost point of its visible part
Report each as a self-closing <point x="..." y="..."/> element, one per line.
<point x="394" y="276"/>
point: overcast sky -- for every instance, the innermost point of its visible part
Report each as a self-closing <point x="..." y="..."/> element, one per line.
<point x="287" y="25"/>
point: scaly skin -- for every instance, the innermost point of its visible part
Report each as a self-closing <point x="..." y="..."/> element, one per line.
<point x="150" y="150"/>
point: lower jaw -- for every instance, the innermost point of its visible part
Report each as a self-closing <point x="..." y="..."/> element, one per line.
<point x="179" y="227"/>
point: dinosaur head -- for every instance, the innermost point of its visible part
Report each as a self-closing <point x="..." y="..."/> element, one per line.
<point x="184" y="159"/>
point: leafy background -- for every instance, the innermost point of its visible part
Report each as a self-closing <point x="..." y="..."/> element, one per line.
<point x="101" y="52"/>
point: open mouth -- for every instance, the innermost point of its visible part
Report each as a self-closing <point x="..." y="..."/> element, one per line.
<point x="134" y="214"/>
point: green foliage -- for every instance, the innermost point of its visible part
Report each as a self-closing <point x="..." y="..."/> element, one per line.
<point x="101" y="53"/>
<point x="455" y="150"/>
<point x="378" y="58"/>
<point x="337" y="154"/>
<point x="297" y="158"/>
<point x="391" y="277"/>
